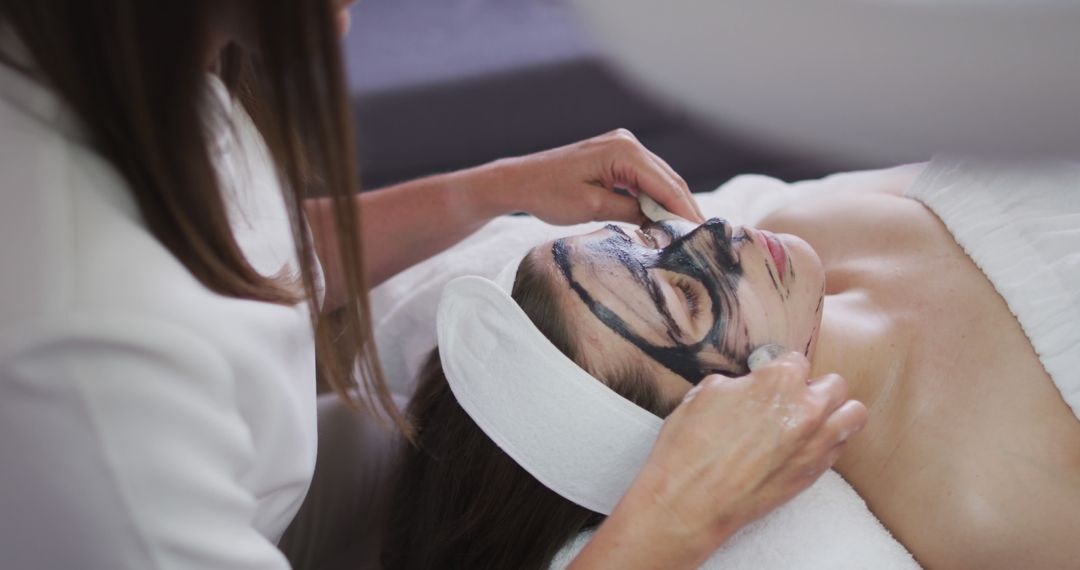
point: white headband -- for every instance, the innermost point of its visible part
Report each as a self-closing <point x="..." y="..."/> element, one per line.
<point x="566" y="428"/>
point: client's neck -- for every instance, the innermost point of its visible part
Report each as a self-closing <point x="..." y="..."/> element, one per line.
<point x="860" y="342"/>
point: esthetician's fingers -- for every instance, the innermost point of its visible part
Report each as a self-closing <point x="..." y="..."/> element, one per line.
<point x="631" y="165"/>
<point x="736" y="448"/>
<point x="832" y="389"/>
<point x="618" y="160"/>
<point x="790" y="368"/>
<point x="686" y="194"/>
<point x="603" y="204"/>
<point x="576" y="183"/>
<point x="828" y="441"/>
<point x="849" y="418"/>
<point x="842" y="417"/>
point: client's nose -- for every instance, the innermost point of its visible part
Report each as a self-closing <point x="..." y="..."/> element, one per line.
<point x="706" y="254"/>
<point x="717" y="229"/>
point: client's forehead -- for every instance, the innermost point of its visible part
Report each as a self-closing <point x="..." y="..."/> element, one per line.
<point x="602" y="283"/>
<point x="608" y="253"/>
<point x="602" y="348"/>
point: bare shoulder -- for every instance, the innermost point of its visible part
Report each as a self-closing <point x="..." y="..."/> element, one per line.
<point x="852" y="224"/>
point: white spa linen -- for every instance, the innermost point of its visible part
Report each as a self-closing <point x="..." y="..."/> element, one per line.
<point x="568" y="430"/>
<point x="1020" y="224"/>
<point x="828" y="526"/>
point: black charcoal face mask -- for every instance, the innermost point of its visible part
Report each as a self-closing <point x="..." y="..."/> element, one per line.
<point x="705" y="255"/>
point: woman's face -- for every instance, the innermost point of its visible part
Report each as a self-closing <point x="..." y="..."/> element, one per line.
<point x="693" y="299"/>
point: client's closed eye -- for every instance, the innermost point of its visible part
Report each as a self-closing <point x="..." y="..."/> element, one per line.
<point x="657" y="235"/>
<point x="690" y="297"/>
<point x="647" y="238"/>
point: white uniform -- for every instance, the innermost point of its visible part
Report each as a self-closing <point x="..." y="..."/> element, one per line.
<point x="145" y="421"/>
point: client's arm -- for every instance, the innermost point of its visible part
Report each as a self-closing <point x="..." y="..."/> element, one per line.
<point x="407" y="223"/>
<point x="733" y="451"/>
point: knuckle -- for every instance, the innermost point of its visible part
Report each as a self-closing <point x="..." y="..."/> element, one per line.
<point x="594" y="205"/>
<point x="625" y="141"/>
<point x="810" y="416"/>
<point x="836" y="385"/>
<point x="711" y="386"/>
<point x="807" y="425"/>
<point x="786" y="369"/>
<point x="817" y="407"/>
<point x="811" y="465"/>
<point x="833" y="377"/>
<point x="623" y="133"/>
<point x="711" y="382"/>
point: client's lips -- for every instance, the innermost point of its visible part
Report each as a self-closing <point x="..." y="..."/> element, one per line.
<point x="776" y="250"/>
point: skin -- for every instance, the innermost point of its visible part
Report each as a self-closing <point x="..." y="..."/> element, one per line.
<point x="971" y="458"/>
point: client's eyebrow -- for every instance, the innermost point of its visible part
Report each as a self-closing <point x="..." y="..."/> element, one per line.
<point x="642" y="278"/>
<point x="680" y="359"/>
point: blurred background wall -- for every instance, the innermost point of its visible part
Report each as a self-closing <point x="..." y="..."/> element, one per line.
<point x="444" y="84"/>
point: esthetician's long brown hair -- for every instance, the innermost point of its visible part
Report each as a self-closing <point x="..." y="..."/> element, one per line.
<point x="461" y="502"/>
<point x="134" y="72"/>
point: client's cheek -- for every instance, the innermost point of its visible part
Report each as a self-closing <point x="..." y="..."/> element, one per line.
<point x="806" y="304"/>
<point x="761" y="313"/>
<point x="805" y="325"/>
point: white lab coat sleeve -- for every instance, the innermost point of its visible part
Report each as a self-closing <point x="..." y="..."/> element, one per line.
<point x="122" y="446"/>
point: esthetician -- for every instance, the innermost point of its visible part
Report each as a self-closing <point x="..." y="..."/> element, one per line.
<point x="166" y="281"/>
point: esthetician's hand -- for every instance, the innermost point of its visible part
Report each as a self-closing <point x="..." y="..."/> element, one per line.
<point x="733" y="451"/>
<point x="574" y="183"/>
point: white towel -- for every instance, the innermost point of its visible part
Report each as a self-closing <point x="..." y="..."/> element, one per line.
<point x="1020" y="224"/>
<point x="827" y="526"/>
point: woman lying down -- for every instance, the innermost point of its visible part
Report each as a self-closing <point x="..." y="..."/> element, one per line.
<point x="971" y="457"/>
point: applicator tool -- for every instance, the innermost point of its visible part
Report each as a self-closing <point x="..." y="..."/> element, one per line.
<point x="765" y="354"/>
<point x="653" y="210"/>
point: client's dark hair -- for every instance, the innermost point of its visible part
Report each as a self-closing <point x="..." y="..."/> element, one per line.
<point x="459" y="500"/>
